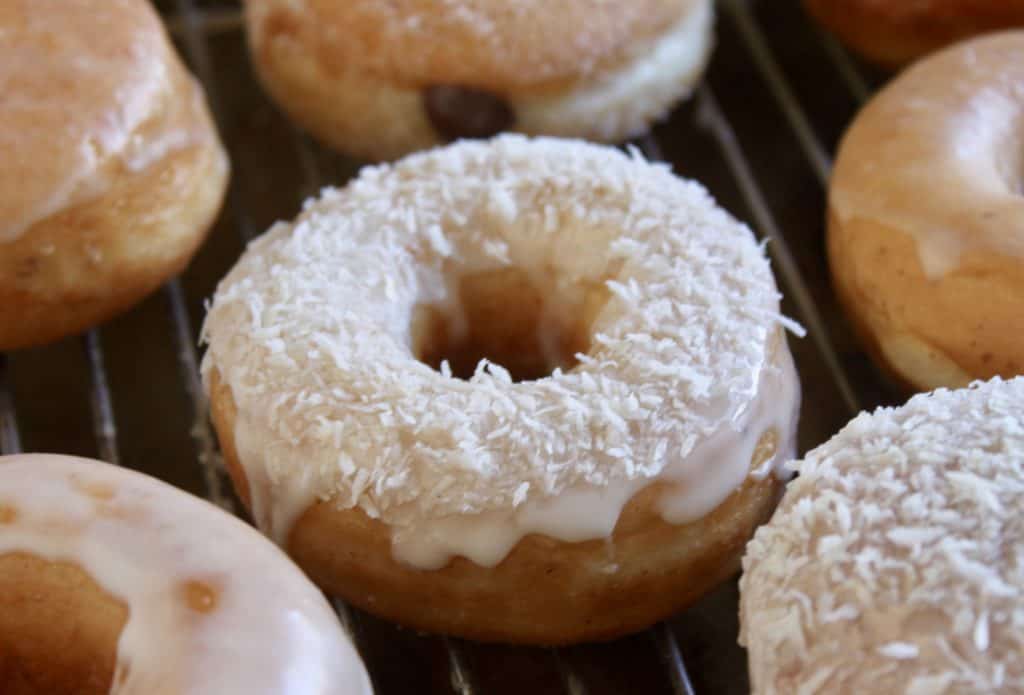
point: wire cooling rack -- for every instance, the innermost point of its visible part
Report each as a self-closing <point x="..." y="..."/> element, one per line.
<point x="758" y="133"/>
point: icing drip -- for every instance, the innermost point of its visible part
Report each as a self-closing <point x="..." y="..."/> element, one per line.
<point x="697" y="483"/>
<point x="269" y="630"/>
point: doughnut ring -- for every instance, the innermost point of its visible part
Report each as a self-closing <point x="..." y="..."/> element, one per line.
<point x="111" y="170"/>
<point x="926" y="217"/>
<point x="379" y="80"/>
<point x="114" y="582"/>
<point x="894" y="563"/>
<point x="894" y="33"/>
<point x="520" y="390"/>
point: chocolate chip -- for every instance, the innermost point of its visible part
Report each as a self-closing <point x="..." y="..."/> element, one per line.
<point x="464" y="112"/>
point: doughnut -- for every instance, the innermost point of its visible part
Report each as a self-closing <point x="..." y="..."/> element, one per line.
<point x="381" y="79"/>
<point x="111" y="170"/>
<point x="521" y="390"/>
<point x="892" y="34"/>
<point x="926" y="217"/>
<point x="895" y="562"/>
<point x="114" y="582"/>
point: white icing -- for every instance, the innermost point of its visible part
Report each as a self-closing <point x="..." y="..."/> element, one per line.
<point x="939" y="153"/>
<point x="269" y="631"/>
<point x="698" y="483"/>
<point x="142" y="151"/>
<point x="622" y="104"/>
<point x="73" y="106"/>
<point x="275" y="505"/>
<point x="311" y="333"/>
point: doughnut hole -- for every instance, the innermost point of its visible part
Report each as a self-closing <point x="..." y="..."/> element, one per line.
<point x="58" y="629"/>
<point x="518" y="320"/>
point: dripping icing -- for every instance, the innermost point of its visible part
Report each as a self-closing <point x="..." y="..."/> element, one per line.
<point x="696" y="484"/>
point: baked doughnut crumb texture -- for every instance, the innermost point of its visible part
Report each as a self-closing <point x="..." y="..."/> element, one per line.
<point x="895" y="562"/>
<point x="313" y="330"/>
<point x="478" y="43"/>
<point x="202" y="603"/>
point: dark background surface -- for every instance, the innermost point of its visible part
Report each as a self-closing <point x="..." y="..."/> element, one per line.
<point x="759" y="134"/>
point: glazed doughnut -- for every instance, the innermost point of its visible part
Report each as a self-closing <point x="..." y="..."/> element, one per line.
<point x="926" y="217"/>
<point x="111" y="170"/>
<point x="519" y="390"/>
<point x="894" y="33"/>
<point x="379" y="80"/>
<point x="113" y="582"/>
<point x="895" y="563"/>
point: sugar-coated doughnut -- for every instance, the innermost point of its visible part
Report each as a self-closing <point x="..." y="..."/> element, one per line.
<point x="892" y="33"/>
<point x="518" y="390"/>
<point x="110" y="168"/>
<point x="114" y="582"/>
<point x="926" y="217"/>
<point x="381" y="79"/>
<point x="895" y="563"/>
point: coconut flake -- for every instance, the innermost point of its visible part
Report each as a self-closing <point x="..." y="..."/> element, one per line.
<point x="324" y="306"/>
<point x="926" y="499"/>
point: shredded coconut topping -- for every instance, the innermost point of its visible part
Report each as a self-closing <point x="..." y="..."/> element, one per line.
<point x="312" y="329"/>
<point x="925" y="502"/>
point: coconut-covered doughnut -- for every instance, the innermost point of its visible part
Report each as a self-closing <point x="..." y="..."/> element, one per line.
<point x="381" y="79"/>
<point x="110" y="168"/>
<point x="113" y="582"/>
<point x="518" y="390"/>
<point x="893" y="33"/>
<point x="926" y="217"/>
<point x="895" y="563"/>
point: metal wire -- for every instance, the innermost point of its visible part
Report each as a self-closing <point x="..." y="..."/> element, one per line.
<point x="10" y="440"/>
<point x="710" y="116"/>
<point x="848" y="71"/>
<point x="190" y="22"/>
<point x="766" y="64"/>
<point x="650" y="148"/>
<point x="345" y="616"/>
<point x="202" y="433"/>
<point x="100" y="401"/>
<point x="668" y="650"/>
<point x="190" y="29"/>
<point x="570" y="679"/>
<point x="461" y="681"/>
<point x="813" y="149"/>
